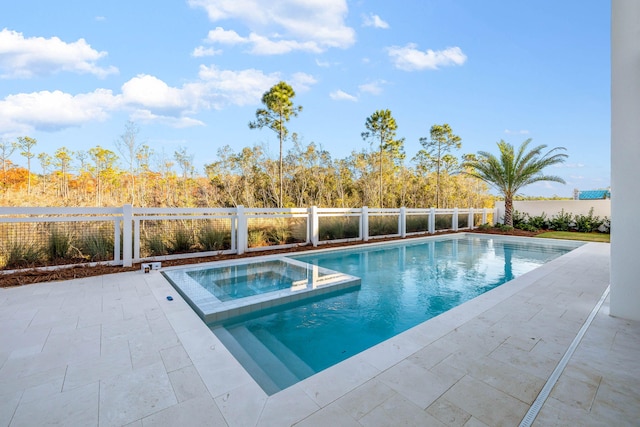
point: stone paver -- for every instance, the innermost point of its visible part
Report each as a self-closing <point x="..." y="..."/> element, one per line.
<point x="113" y="351"/>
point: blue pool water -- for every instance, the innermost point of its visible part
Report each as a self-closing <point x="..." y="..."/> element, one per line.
<point x="403" y="284"/>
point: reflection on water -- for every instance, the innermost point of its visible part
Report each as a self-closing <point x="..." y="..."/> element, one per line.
<point x="402" y="286"/>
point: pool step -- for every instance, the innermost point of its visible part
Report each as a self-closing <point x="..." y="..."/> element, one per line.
<point x="246" y="360"/>
<point x="266" y="368"/>
<point x="296" y="365"/>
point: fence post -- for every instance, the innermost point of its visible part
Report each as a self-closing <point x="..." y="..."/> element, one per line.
<point x="127" y="235"/>
<point x="432" y="220"/>
<point x="471" y="219"/>
<point x="136" y="239"/>
<point x="116" y="241"/>
<point x="496" y="219"/>
<point x="403" y="222"/>
<point x="364" y="224"/>
<point x="241" y="231"/>
<point x="484" y="215"/>
<point x="454" y="220"/>
<point x="314" y="231"/>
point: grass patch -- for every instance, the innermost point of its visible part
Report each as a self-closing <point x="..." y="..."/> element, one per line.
<point x="574" y="235"/>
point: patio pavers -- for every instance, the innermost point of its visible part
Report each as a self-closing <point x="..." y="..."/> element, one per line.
<point x="112" y="350"/>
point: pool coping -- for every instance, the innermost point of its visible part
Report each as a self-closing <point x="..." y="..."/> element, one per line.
<point x="477" y="363"/>
<point x="213" y="310"/>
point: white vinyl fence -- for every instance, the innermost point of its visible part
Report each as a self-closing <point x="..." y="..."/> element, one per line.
<point x="124" y="235"/>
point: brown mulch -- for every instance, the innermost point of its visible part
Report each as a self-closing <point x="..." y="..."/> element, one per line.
<point x="40" y="275"/>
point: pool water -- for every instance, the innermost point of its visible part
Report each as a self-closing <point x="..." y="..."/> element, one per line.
<point x="402" y="285"/>
<point x="244" y="280"/>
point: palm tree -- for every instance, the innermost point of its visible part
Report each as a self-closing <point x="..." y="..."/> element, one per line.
<point x="514" y="169"/>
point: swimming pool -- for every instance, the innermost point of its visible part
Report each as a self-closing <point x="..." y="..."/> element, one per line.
<point x="402" y="284"/>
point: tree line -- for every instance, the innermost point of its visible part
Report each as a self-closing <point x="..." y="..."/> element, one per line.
<point x="305" y="174"/>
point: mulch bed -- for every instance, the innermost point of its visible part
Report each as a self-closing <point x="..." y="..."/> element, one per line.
<point x="40" y="275"/>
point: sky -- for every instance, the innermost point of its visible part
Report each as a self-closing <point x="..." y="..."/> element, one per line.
<point x="191" y="73"/>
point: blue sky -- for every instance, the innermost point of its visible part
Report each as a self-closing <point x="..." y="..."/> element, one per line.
<point x="190" y="73"/>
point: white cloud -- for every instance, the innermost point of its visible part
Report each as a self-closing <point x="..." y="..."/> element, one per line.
<point x="264" y="46"/>
<point x="374" y="88"/>
<point x="22" y="57"/>
<point x="146" y="116"/>
<point x="375" y="21"/>
<point x="151" y="92"/>
<point x="222" y="36"/>
<point x="409" y="58"/>
<point x="281" y="26"/>
<point x="260" y="45"/>
<point x="145" y="97"/>
<point x="339" y="95"/>
<point x="55" y="110"/>
<point x="323" y="64"/>
<point x="301" y="82"/>
<point x="516" y="132"/>
<point x="227" y="87"/>
<point x="201" y="51"/>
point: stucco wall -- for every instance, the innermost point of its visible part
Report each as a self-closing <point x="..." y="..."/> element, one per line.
<point x="601" y="208"/>
<point x="625" y="157"/>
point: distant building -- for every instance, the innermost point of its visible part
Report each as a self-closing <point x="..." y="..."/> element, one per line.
<point x="591" y="194"/>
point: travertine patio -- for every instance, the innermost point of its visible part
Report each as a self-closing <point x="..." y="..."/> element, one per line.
<point x="112" y="351"/>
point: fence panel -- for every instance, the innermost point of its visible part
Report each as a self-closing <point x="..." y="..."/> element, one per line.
<point x="32" y="237"/>
<point x="49" y="236"/>
<point x="339" y="225"/>
<point x="276" y="228"/>
<point x="177" y="233"/>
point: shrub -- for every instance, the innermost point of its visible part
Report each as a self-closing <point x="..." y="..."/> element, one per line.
<point x="212" y="239"/>
<point x="257" y="238"/>
<point x="298" y="229"/>
<point x="538" y="221"/>
<point x="417" y="223"/>
<point x="98" y="247"/>
<point x="279" y="236"/>
<point x="526" y="222"/>
<point x="561" y="222"/>
<point x="58" y="245"/>
<point x="444" y="222"/>
<point x="519" y="219"/>
<point x="588" y="223"/>
<point x="336" y="228"/>
<point x="181" y="241"/>
<point x="505" y="228"/>
<point x="527" y="227"/>
<point x="156" y="245"/>
<point x="485" y="226"/>
<point x="20" y="255"/>
<point x="383" y="225"/>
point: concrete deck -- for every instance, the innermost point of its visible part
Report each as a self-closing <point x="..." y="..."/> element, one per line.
<point x="112" y="351"/>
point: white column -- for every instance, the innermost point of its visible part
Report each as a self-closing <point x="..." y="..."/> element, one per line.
<point x="432" y="220"/>
<point x="402" y="222"/>
<point x="242" y="231"/>
<point x="454" y="220"/>
<point x="314" y="229"/>
<point x="364" y="224"/>
<point x="136" y="239"/>
<point x="127" y="235"/>
<point x="625" y="158"/>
